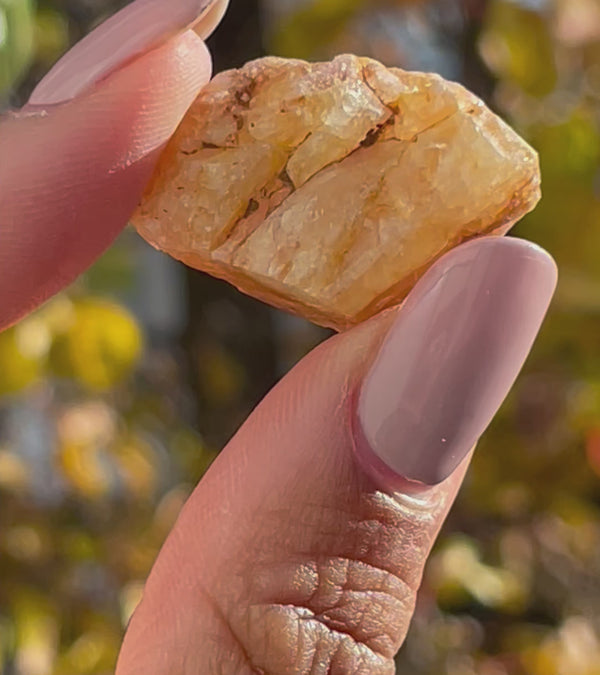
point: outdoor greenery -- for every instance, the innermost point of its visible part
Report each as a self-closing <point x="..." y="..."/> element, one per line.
<point x="111" y="409"/>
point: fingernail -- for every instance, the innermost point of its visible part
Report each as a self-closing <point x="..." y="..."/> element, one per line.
<point x="139" y="27"/>
<point x="452" y="356"/>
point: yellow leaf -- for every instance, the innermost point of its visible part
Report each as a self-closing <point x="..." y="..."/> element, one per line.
<point x="19" y="367"/>
<point x="86" y="469"/>
<point x="101" y="346"/>
<point x="36" y="633"/>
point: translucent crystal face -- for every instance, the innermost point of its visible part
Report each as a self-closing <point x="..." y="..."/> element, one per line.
<point x="327" y="189"/>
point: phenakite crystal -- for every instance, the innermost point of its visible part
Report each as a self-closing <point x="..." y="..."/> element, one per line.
<point x="327" y="189"/>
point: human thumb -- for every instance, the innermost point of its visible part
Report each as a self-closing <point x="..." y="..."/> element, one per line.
<point x="302" y="550"/>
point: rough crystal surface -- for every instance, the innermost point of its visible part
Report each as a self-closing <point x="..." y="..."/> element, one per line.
<point x="327" y="189"/>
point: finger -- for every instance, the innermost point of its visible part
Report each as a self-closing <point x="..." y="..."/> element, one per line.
<point x="71" y="176"/>
<point x="138" y="28"/>
<point x="302" y="549"/>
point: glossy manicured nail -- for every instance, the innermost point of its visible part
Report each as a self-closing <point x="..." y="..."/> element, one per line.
<point x="452" y="356"/>
<point x="211" y="18"/>
<point x="139" y="27"/>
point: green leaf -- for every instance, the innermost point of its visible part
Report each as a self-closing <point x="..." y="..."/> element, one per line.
<point x="16" y="41"/>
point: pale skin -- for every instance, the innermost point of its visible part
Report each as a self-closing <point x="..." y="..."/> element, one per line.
<point x="289" y="558"/>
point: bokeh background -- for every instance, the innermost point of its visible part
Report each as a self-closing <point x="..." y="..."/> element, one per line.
<point x="117" y="395"/>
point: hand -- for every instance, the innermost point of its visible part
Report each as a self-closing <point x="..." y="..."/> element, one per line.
<point x="302" y="549"/>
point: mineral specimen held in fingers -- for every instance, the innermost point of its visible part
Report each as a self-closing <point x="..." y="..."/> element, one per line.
<point x="327" y="189"/>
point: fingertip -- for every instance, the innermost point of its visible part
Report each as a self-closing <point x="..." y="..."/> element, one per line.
<point x="166" y="82"/>
<point x="73" y="173"/>
<point x="141" y="26"/>
<point x="453" y="355"/>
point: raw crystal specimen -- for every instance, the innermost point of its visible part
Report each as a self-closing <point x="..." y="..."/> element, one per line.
<point x="327" y="189"/>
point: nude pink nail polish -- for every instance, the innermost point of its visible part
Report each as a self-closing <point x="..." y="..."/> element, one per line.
<point x="139" y="27"/>
<point x="452" y="356"/>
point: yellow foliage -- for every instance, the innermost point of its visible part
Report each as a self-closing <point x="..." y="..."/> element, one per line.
<point x="78" y="545"/>
<point x="86" y="469"/>
<point x="137" y="466"/>
<point x="573" y="649"/>
<point x="221" y="376"/>
<point x="36" y="634"/>
<point x="458" y="572"/>
<point x="19" y="367"/>
<point x="14" y="473"/>
<point x="518" y="46"/>
<point x="91" y="652"/>
<point x="100" y="347"/>
<point x="51" y="35"/>
<point x="25" y="543"/>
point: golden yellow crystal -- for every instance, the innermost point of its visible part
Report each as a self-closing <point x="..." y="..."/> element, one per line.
<point x="327" y="189"/>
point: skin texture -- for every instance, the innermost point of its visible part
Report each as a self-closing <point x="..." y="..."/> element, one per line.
<point x="291" y="557"/>
<point x="288" y="558"/>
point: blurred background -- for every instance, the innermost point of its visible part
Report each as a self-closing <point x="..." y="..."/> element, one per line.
<point x="117" y="395"/>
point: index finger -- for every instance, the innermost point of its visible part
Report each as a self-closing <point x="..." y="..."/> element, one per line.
<point x="141" y="26"/>
<point x="71" y="176"/>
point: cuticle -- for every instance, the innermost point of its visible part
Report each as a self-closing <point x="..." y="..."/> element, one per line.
<point x="369" y="463"/>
